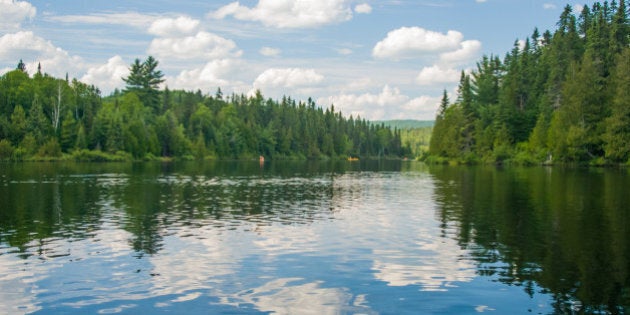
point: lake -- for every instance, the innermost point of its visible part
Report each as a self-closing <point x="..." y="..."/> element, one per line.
<point x="364" y="237"/>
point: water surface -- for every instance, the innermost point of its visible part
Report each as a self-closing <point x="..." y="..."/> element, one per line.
<point x="314" y="238"/>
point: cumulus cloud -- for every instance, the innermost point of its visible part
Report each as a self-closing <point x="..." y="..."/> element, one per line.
<point x="467" y="51"/>
<point x="413" y="41"/>
<point x="289" y="13"/>
<point x="363" y="8"/>
<point x="36" y="50"/>
<point x="389" y="103"/>
<point x="549" y="6"/>
<point x="368" y="105"/>
<point x="447" y="70"/>
<point x="202" y="45"/>
<point x="269" y="51"/>
<point x="287" y="78"/>
<point x="436" y="74"/>
<point x="12" y="13"/>
<point x="109" y="76"/>
<point x="212" y="75"/>
<point x="169" y="27"/>
<point x="424" y="107"/>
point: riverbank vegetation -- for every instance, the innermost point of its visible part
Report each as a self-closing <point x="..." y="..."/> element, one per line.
<point x="561" y="97"/>
<point x="48" y="118"/>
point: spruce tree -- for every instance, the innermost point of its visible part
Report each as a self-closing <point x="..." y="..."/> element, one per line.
<point x="617" y="137"/>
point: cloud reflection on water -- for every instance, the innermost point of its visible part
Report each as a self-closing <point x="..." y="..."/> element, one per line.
<point x="217" y="243"/>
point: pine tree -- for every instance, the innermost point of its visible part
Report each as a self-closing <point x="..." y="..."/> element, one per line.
<point x="144" y="79"/>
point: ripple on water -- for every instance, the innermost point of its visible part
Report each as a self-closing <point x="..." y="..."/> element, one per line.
<point x="354" y="242"/>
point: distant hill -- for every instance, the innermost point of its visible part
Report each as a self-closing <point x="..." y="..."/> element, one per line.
<point x="406" y="124"/>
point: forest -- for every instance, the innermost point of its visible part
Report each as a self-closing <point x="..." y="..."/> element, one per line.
<point x="48" y="118"/>
<point x="561" y="97"/>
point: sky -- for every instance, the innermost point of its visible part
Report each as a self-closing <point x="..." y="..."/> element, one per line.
<point x="377" y="59"/>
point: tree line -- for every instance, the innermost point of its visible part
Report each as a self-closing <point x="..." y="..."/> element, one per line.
<point x="43" y="117"/>
<point x="561" y="97"/>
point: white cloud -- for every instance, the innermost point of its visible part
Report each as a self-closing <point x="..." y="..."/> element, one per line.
<point x="359" y="84"/>
<point x="413" y="41"/>
<point x="169" y="27"/>
<point x="12" y="13"/>
<point x="436" y="74"/>
<point x="289" y="13"/>
<point x="423" y="107"/>
<point x="549" y="6"/>
<point x="480" y="1"/>
<point x="212" y="75"/>
<point x="36" y="50"/>
<point x="468" y="51"/>
<point x="389" y="103"/>
<point x="109" y="76"/>
<point x="127" y="18"/>
<point x="368" y="105"/>
<point x="288" y="78"/>
<point x="202" y="45"/>
<point x="577" y="9"/>
<point x="363" y="8"/>
<point x="269" y="51"/>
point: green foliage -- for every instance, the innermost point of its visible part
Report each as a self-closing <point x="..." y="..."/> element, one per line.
<point x="6" y="149"/>
<point x="617" y="132"/>
<point x="417" y="140"/>
<point x="84" y="155"/>
<point x="42" y="117"/>
<point x="68" y="132"/>
<point x="560" y="97"/>
<point x="50" y="149"/>
<point x="29" y="145"/>
<point x="144" y="80"/>
<point x="18" y="123"/>
<point x="406" y="123"/>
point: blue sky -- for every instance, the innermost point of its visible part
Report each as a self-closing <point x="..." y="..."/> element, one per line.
<point x="387" y="59"/>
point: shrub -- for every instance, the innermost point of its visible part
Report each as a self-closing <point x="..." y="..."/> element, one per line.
<point x="6" y="149"/>
<point x="50" y="149"/>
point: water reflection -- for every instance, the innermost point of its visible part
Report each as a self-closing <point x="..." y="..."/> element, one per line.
<point x="291" y="296"/>
<point x="564" y="230"/>
<point x="323" y="237"/>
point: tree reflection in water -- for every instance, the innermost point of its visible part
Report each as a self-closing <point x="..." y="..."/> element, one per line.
<point x="565" y="229"/>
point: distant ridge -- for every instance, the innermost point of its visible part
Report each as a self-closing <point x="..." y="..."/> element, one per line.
<point x="406" y="123"/>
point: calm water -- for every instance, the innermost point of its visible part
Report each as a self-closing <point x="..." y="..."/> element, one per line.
<point x="312" y="238"/>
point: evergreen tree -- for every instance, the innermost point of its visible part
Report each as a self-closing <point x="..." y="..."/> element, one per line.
<point x="18" y="124"/>
<point x="562" y="93"/>
<point x="443" y="105"/>
<point x="68" y="132"/>
<point x="37" y="123"/>
<point x="81" y="138"/>
<point x="21" y="66"/>
<point x="617" y="137"/>
<point x="144" y="80"/>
